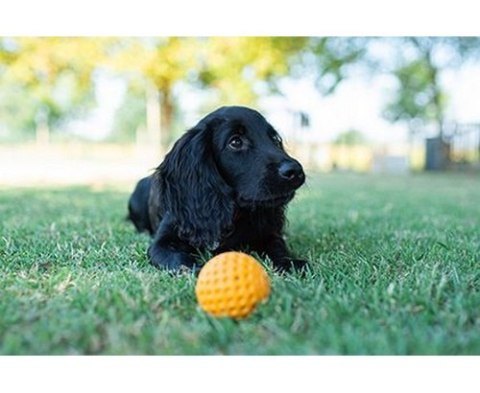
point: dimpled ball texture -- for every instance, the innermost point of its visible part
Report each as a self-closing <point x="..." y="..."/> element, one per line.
<point x="231" y="285"/>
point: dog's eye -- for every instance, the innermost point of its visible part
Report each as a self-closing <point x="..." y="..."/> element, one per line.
<point x="235" y="143"/>
<point x="277" y="140"/>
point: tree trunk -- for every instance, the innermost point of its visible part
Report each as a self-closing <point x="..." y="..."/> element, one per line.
<point x="441" y="147"/>
<point x="437" y="101"/>
<point x="167" y="111"/>
<point x="160" y="113"/>
<point x="426" y="50"/>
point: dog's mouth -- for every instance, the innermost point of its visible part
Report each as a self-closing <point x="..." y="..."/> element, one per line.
<point x="272" y="201"/>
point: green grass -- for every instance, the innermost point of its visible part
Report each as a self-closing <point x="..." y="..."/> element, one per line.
<point x="395" y="269"/>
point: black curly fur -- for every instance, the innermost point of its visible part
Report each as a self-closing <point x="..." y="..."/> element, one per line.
<point x="207" y="195"/>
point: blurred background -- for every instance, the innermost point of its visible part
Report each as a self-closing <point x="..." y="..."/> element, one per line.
<point x="86" y="110"/>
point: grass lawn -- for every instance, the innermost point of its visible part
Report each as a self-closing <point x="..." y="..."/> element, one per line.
<point x="395" y="269"/>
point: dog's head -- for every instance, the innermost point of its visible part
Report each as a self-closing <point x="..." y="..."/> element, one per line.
<point x="250" y="157"/>
<point x="232" y="159"/>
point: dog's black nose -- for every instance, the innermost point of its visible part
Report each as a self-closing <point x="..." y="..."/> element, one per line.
<point x="291" y="171"/>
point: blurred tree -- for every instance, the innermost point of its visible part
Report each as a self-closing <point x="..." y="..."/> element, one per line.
<point x="156" y="66"/>
<point x="330" y="60"/>
<point x="420" y="62"/>
<point x="242" y="68"/>
<point x="129" y="117"/>
<point x="53" y="74"/>
<point x="239" y="69"/>
<point x="18" y="110"/>
<point x="232" y="70"/>
<point x="235" y="70"/>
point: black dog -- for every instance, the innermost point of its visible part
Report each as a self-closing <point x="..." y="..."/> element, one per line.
<point x="223" y="186"/>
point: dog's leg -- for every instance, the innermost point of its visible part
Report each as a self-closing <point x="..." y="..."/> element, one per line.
<point x="276" y="249"/>
<point x="169" y="252"/>
<point x="138" y="206"/>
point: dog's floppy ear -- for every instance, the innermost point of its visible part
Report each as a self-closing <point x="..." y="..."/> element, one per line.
<point x="192" y="190"/>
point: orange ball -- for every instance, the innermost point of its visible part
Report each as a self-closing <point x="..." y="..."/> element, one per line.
<point x="231" y="285"/>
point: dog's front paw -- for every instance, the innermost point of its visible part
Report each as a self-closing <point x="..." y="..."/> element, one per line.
<point x="289" y="265"/>
<point x="163" y="258"/>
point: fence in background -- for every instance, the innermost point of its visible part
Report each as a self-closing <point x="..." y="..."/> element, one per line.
<point x="464" y="141"/>
<point x="458" y="148"/>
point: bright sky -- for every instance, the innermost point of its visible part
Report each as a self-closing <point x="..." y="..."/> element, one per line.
<point x="358" y="104"/>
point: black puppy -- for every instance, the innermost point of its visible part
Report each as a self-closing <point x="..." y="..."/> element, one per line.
<point x="223" y="186"/>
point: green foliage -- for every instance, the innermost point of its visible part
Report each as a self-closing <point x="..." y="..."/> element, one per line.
<point x="420" y="62"/>
<point x="235" y="70"/>
<point x="53" y="74"/>
<point x="238" y="68"/>
<point x="329" y="59"/>
<point x="416" y="96"/>
<point x="394" y="270"/>
<point x="162" y="61"/>
<point x="18" y="110"/>
<point x="130" y="116"/>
